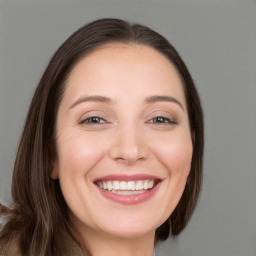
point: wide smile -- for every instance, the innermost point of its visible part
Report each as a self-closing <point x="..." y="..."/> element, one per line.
<point x="128" y="189"/>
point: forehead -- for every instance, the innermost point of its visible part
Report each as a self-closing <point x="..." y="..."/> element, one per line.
<point x="117" y="69"/>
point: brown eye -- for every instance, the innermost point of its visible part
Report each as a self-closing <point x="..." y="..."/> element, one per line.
<point x="162" y="120"/>
<point x="93" y="120"/>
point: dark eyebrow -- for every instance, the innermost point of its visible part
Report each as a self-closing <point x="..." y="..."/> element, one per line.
<point x="157" y="98"/>
<point x="148" y="100"/>
<point x="94" y="98"/>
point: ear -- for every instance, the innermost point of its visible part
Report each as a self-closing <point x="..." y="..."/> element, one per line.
<point x="55" y="171"/>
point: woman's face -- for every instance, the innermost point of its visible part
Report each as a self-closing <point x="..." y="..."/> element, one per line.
<point x="123" y="141"/>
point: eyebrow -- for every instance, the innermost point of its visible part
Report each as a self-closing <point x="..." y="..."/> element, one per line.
<point x="159" y="98"/>
<point x="95" y="98"/>
<point x="103" y="99"/>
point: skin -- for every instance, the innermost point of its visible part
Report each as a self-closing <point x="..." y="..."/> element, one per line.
<point x="128" y="139"/>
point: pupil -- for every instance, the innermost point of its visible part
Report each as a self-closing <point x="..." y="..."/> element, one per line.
<point x="159" y="120"/>
<point x="95" y="120"/>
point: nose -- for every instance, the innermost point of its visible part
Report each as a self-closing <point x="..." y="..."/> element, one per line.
<point x="129" y="145"/>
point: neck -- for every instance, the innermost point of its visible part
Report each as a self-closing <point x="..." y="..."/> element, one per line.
<point x="101" y="244"/>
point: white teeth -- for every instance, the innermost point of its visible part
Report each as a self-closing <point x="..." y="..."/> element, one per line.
<point x="116" y="185"/>
<point x="130" y="185"/>
<point x="139" y="185"/>
<point x="145" y="185"/>
<point x="120" y="187"/>
<point x="109" y="184"/>
<point x="151" y="184"/>
<point x="128" y="192"/>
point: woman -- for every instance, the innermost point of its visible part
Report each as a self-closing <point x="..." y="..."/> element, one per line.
<point x="110" y="159"/>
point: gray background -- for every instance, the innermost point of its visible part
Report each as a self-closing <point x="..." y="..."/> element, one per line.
<point x="217" y="40"/>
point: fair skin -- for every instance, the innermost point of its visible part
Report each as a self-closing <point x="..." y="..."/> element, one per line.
<point x="126" y="134"/>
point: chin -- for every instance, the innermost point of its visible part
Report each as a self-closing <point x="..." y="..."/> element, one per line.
<point x="131" y="234"/>
<point x="130" y="230"/>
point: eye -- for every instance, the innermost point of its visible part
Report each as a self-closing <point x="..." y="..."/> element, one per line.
<point x="93" y="120"/>
<point x="162" y="120"/>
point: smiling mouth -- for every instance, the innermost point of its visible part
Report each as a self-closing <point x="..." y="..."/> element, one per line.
<point x="127" y="187"/>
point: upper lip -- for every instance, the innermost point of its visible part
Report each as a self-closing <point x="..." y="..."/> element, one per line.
<point x="128" y="177"/>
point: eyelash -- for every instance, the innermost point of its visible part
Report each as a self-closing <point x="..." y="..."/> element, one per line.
<point x="86" y="121"/>
<point x="163" y="120"/>
<point x="96" y="120"/>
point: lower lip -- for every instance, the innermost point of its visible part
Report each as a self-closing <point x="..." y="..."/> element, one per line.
<point x="129" y="199"/>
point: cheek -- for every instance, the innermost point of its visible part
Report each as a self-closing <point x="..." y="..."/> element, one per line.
<point x="77" y="156"/>
<point x="77" y="153"/>
<point x="176" y="155"/>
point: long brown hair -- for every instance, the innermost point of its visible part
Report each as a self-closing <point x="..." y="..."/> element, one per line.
<point x="39" y="224"/>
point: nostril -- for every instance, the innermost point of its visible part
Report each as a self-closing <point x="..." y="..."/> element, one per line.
<point x="128" y="145"/>
<point x="127" y="154"/>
